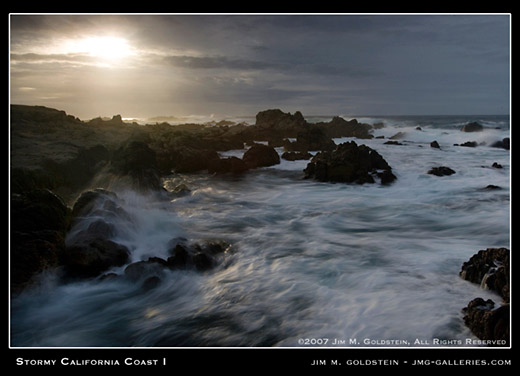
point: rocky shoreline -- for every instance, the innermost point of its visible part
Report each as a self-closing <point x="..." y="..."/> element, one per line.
<point x="65" y="172"/>
<point x="490" y="269"/>
<point x="61" y="165"/>
<point x="53" y="150"/>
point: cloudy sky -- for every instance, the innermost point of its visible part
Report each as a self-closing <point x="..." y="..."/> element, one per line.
<point x="150" y="65"/>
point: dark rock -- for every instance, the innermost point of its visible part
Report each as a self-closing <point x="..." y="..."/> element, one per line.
<point x="496" y="165"/>
<point x="491" y="187"/>
<point x="90" y="249"/>
<point x="418" y="128"/>
<point x="349" y="163"/>
<point x="153" y="267"/>
<point x="216" y="247"/>
<point x="24" y="180"/>
<point x="339" y="127"/>
<point x="231" y="165"/>
<point x="398" y="135"/>
<point x="386" y="177"/>
<point x="150" y="283"/>
<point x="195" y="256"/>
<point x="180" y="256"/>
<point x="189" y="159"/>
<point x="276" y="143"/>
<point x="504" y="144"/>
<point x="138" y="161"/>
<point x="490" y="268"/>
<point x="488" y="324"/>
<point x="38" y="223"/>
<point x="38" y="210"/>
<point x="435" y="144"/>
<point x="296" y="155"/>
<point x="202" y="261"/>
<point x="441" y="171"/>
<point x="99" y="203"/>
<point x="279" y="123"/>
<point x="469" y="144"/>
<point x="77" y="171"/>
<point x="116" y="120"/>
<point x="42" y="117"/>
<point x="274" y="125"/>
<point x="392" y="143"/>
<point x="261" y="156"/>
<point x="89" y="259"/>
<point x="99" y="229"/>
<point x="313" y="138"/>
<point x="472" y="127"/>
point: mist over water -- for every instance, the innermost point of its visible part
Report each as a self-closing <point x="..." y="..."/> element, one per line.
<point x="307" y="259"/>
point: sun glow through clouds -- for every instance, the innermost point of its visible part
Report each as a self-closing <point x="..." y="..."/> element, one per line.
<point x="103" y="48"/>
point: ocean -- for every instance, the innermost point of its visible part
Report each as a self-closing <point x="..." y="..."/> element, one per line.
<point x="311" y="264"/>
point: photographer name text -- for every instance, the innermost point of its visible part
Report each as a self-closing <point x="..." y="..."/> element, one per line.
<point x="341" y="342"/>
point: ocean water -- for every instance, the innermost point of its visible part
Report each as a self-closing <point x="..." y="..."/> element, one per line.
<point x="311" y="264"/>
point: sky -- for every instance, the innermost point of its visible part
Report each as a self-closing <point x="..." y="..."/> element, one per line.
<point x="237" y="65"/>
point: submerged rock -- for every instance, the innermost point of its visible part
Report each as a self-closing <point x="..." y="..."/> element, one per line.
<point x="392" y="143"/>
<point x="468" y="144"/>
<point x="200" y="257"/>
<point x="441" y="171"/>
<point x="491" y="187"/>
<point x="472" y="127"/>
<point x="349" y="163"/>
<point x="153" y="267"/>
<point x="183" y="256"/>
<point x="398" y="136"/>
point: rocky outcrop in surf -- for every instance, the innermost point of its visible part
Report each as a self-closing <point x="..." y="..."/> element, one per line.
<point x="349" y="163"/>
<point x="489" y="268"/>
<point x="472" y="127"/>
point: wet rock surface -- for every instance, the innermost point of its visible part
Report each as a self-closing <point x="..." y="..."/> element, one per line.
<point x="39" y="222"/>
<point x="261" y="156"/>
<point x="90" y="249"/>
<point x="349" y="163"/>
<point x="489" y="268"/>
<point x="472" y="127"/>
<point x="441" y="171"/>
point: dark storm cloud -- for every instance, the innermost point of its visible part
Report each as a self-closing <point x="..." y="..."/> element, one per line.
<point x="219" y="62"/>
<point x="38" y="58"/>
<point x="366" y="63"/>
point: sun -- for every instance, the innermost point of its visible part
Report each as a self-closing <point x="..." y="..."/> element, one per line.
<point x="105" y="48"/>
